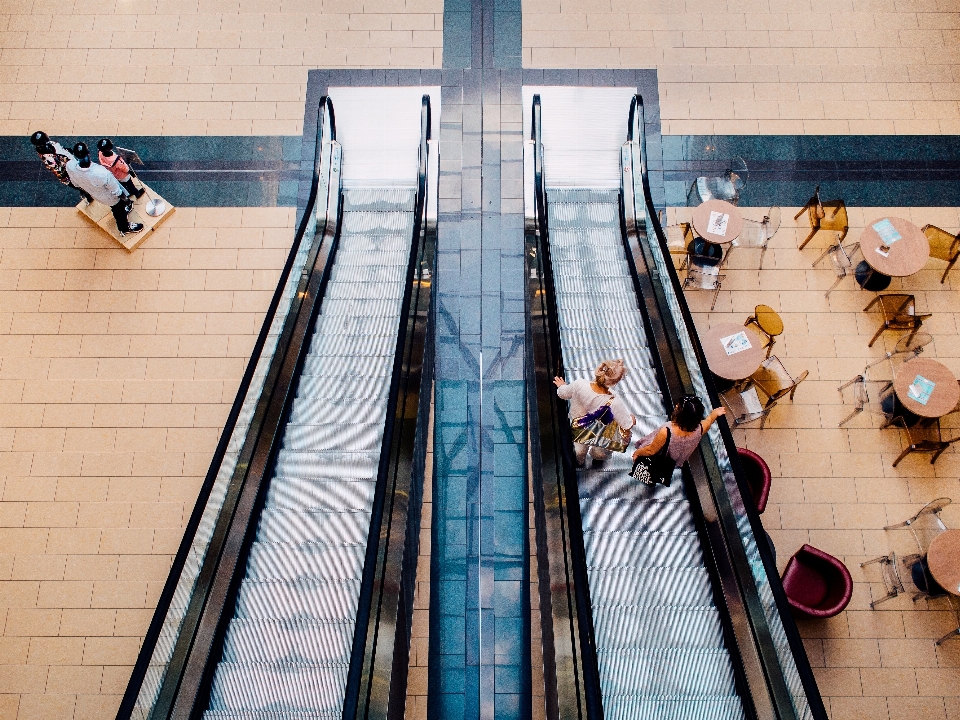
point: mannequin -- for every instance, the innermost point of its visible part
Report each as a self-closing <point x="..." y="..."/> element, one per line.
<point x="103" y="186"/>
<point x="118" y="166"/>
<point x="55" y="158"/>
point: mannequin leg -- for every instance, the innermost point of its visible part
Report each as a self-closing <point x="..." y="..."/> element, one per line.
<point x="119" y="211"/>
<point x="131" y="188"/>
<point x="83" y="193"/>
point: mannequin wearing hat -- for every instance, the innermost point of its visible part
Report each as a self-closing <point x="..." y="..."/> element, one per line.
<point x="103" y="186"/>
<point x="55" y="158"/>
<point x="118" y="166"/>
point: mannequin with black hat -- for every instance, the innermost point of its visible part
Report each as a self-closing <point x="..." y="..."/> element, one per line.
<point x="102" y="186"/>
<point x="55" y="158"/>
<point x="115" y="163"/>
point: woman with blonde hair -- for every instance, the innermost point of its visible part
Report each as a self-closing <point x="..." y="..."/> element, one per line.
<point x="587" y="397"/>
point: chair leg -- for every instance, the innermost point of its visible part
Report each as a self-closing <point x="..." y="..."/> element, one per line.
<point x="802" y="211"/>
<point x="879" y="333"/>
<point x="848" y="418"/>
<point x="880" y="559"/>
<point x="842" y="235"/>
<point x="809" y="237"/>
<point x="872" y="303"/>
<point x="716" y="294"/>
<point x="948" y="636"/>
<point x="949" y="265"/>
<point x="848" y="383"/>
<point x="888" y="596"/>
<point x="834" y="286"/>
<point x="902" y="455"/>
<point x="763" y="251"/>
<point x="822" y="256"/>
<point x="937" y="454"/>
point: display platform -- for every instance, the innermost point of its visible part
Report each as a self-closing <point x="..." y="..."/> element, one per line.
<point x="100" y="215"/>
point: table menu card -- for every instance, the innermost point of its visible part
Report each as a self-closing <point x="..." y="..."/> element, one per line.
<point x="887" y="232"/>
<point x="736" y="343"/>
<point x="718" y="223"/>
<point x="921" y="389"/>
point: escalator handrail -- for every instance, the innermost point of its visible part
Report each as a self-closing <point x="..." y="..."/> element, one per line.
<point x="326" y="126"/>
<point x="636" y="121"/>
<point x="588" y="663"/>
<point x="361" y="677"/>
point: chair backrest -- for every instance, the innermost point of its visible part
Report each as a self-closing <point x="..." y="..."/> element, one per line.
<point x="679" y="236"/>
<point x="943" y="245"/>
<point x="773" y="378"/>
<point x="754" y="234"/>
<point x="835" y="217"/>
<point x="927" y="525"/>
<point x="842" y="258"/>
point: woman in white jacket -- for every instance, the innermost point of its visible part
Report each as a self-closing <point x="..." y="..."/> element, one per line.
<point x="586" y="396"/>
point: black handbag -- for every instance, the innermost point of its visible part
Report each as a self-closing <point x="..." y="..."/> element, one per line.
<point x="656" y="468"/>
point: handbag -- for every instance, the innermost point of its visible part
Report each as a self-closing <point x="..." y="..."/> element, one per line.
<point x="656" y="468"/>
<point x="598" y="429"/>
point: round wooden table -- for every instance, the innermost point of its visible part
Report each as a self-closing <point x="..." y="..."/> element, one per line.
<point x="907" y="255"/>
<point x="943" y="559"/>
<point x="701" y="221"/>
<point x="738" y="366"/>
<point x="945" y="393"/>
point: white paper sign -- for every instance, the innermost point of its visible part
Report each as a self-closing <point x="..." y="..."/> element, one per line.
<point x="736" y="343"/>
<point x="718" y="223"/>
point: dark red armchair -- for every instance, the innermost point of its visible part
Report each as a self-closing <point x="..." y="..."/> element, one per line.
<point x="817" y="584"/>
<point x="758" y="477"/>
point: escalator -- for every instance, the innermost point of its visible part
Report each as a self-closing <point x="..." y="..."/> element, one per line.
<point x="291" y="596"/>
<point x="656" y="602"/>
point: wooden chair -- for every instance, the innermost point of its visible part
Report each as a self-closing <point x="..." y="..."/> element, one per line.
<point x="830" y="215"/>
<point x="943" y="246"/>
<point x="767" y="321"/>
<point x="899" y="312"/>
<point x="772" y="377"/>
<point x="679" y="238"/>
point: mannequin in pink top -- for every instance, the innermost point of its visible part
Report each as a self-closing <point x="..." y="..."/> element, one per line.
<point x="118" y="166"/>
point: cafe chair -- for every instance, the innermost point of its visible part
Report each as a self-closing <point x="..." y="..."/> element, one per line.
<point x="841" y="257"/>
<point x="956" y="615"/>
<point x="758" y="477"/>
<point x="899" y="312"/>
<point x="943" y="246"/>
<point x="926" y="525"/>
<point x="757" y="234"/>
<point x="768" y="322"/>
<point x="679" y="237"/>
<point x="914" y="567"/>
<point x="923" y="437"/>
<point x="726" y="187"/>
<point x="703" y="277"/>
<point x="744" y="406"/>
<point x="772" y="377"/>
<point x="829" y="215"/>
<point x="860" y="393"/>
<point x="817" y="585"/>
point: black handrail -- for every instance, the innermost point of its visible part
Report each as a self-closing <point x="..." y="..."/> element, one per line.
<point x="636" y="120"/>
<point x="138" y="675"/>
<point x="586" y="664"/>
<point x="376" y="681"/>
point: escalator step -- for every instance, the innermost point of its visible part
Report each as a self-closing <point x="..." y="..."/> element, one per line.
<point x="358" y="346"/>
<point x="378" y="199"/>
<point x="330" y="600"/>
<point x="265" y="687"/>
<point x="297" y="641"/>
<point x="371" y="273"/>
<point x="308" y="465"/>
<point x="304" y="561"/>
<point x="625" y="515"/>
<point x="363" y="308"/>
<point x="640" y="551"/>
<point x="668" y="671"/>
<point x="287" y="492"/>
<point x="287" y="525"/>
<point x="630" y="707"/>
<point x="347" y="388"/>
<point x="662" y="627"/>
<point x="651" y="586"/>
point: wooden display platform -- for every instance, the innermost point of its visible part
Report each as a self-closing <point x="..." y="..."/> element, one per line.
<point x="100" y="215"/>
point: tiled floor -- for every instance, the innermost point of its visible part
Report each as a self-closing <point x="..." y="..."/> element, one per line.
<point x="116" y="376"/>
<point x="835" y="488"/>
<point x="775" y="67"/>
<point x="232" y="67"/>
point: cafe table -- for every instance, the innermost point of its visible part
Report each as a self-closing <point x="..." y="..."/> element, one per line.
<point x="717" y="221"/>
<point x="905" y="255"/>
<point x="733" y="352"/>
<point x="926" y="388"/>
<point x="943" y="560"/>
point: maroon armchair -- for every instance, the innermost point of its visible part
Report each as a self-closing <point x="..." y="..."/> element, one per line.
<point x="758" y="477"/>
<point x="817" y="584"/>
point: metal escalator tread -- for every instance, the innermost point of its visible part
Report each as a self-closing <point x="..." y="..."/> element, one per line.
<point x="660" y="645"/>
<point x="288" y="646"/>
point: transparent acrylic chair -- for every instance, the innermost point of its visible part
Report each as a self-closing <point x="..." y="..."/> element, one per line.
<point x="703" y="277"/>
<point x="775" y="381"/>
<point x="841" y="258"/>
<point x="926" y="525"/>
<point x="907" y="348"/>
<point x="744" y="406"/>
<point x="726" y="187"/>
<point x="757" y="233"/>
<point x="894" y="569"/>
